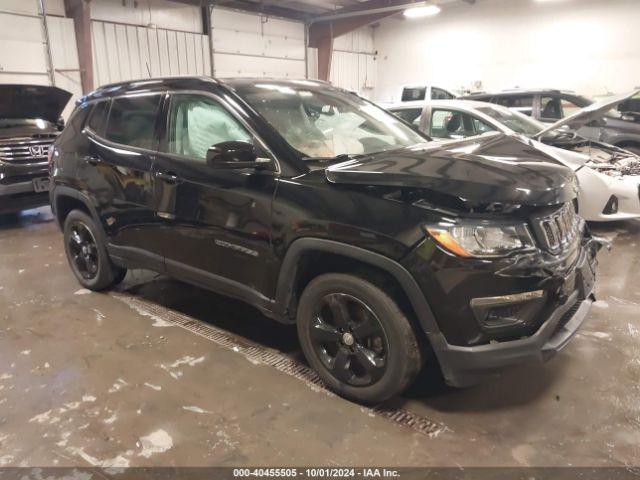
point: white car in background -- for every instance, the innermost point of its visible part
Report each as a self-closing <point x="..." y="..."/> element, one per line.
<point x="609" y="176"/>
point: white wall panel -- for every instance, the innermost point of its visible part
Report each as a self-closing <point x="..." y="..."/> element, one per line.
<point x="590" y="46"/>
<point x="353" y="64"/>
<point x="241" y="66"/>
<point x="159" y="13"/>
<point x="246" y="44"/>
<point x="64" y="56"/>
<point x="128" y="52"/>
<point x="23" y="48"/>
<point x="23" y="52"/>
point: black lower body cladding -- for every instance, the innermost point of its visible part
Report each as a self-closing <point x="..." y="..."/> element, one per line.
<point x="491" y="314"/>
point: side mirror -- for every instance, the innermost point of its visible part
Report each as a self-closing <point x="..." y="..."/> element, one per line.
<point x="235" y="155"/>
<point x="60" y="123"/>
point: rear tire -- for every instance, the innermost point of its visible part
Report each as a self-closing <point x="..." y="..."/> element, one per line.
<point x="87" y="253"/>
<point x="357" y="338"/>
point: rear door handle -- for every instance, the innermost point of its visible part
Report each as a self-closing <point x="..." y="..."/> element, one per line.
<point x="92" y="160"/>
<point x="168" y="177"/>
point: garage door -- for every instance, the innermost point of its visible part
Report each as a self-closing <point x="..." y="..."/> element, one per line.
<point x="249" y="45"/>
<point x="129" y="52"/>
<point x="23" y="56"/>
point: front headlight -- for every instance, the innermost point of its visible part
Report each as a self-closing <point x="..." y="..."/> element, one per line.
<point x="481" y="241"/>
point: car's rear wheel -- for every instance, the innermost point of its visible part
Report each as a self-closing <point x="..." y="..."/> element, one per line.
<point x="87" y="254"/>
<point x="357" y="338"/>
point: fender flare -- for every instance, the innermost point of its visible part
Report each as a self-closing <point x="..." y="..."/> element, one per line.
<point x="301" y="246"/>
<point x="62" y="191"/>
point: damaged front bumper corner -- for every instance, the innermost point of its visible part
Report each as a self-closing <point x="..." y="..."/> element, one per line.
<point x="468" y="365"/>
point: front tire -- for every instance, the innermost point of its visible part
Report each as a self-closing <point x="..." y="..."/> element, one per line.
<point x="357" y="338"/>
<point x="87" y="253"/>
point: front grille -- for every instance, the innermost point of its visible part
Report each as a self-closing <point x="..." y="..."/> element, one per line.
<point x="560" y="228"/>
<point x="26" y="151"/>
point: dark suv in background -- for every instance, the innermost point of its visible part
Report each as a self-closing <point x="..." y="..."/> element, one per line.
<point x="321" y="209"/>
<point x="618" y="127"/>
<point x="29" y="123"/>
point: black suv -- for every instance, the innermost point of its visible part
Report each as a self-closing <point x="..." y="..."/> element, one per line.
<point x="29" y="123"/>
<point x="323" y="210"/>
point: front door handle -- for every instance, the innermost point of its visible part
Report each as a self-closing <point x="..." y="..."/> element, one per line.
<point x="92" y="160"/>
<point x="168" y="177"/>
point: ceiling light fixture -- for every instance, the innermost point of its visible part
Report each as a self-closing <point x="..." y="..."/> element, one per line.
<point x="419" y="12"/>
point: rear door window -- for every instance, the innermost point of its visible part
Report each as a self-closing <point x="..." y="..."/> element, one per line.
<point x="98" y="119"/>
<point x="454" y="124"/>
<point x="410" y="94"/>
<point x="440" y="94"/>
<point x="409" y="115"/>
<point x="132" y="121"/>
<point x="521" y="103"/>
<point x="550" y="108"/>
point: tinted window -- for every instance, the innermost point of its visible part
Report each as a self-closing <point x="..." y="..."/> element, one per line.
<point x="409" y="94"/>
<point x="98" y="119"/>
<point x="410" y="115"/>
<point x="454" y="124"/>
<point x="197" y="123"/>
<point x="77" y="120"/>
<point x="550" y="108"/>
<point x="439" y="94"/>
<point x="521" y="103"/>
<point x="132" y="121"/>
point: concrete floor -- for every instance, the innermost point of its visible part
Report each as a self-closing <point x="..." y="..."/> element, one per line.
<point x="96" y="379"/>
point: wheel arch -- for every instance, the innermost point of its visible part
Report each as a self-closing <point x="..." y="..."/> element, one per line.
<point x="307" y="258"/>
<point x="66" y="199"/>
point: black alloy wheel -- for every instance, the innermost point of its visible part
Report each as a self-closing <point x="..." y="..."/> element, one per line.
<point x="358" y="339"/>
<point x="349" y="340"/>
<point x="84" y="250"/>
<point x="87" y="253"/>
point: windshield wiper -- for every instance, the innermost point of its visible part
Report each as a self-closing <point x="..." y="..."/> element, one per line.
<point x="343" y="157"/>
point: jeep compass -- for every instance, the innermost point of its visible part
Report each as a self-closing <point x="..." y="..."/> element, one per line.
<point x="321" y="209"/>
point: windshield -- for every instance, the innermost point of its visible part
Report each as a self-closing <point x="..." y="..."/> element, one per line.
<point x="516" y="121"/>
<point x="324" y="122"/>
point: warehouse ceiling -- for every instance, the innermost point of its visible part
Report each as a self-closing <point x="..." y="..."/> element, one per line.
<point x="311" y="9"/>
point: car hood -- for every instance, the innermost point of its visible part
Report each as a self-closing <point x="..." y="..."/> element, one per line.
<point x="490" y="168"/>
<point x="32" y="101"/>
<point x="589" y="113"/>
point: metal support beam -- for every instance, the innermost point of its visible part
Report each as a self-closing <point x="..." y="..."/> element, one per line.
<point x="45" y="27"/>
<point x="359" y="13"/>
<point x="80" y="12"/>
<point x="324" y="29"/>
<point x="325" y="54"/>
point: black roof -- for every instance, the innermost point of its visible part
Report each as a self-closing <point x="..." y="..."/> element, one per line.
<point x="520" y="91"/>
<point x="190" y="83"/>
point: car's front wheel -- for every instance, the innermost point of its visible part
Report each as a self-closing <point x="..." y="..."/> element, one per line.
<point x="87" y="254"/>
<point x="357" y="338"/>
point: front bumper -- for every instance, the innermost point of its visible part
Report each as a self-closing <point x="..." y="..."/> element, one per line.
<point x="596" y="189"/>
<point x="17" y="188"/>
<point x="465" y="366"/>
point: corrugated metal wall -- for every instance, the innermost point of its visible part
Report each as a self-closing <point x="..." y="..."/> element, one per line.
<point x="127" y="52"/>
<point x="353" y="63"/>
<point x="247" y="45"/>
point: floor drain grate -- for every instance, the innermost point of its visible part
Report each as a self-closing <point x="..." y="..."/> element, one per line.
<point x="261" y="355"/>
